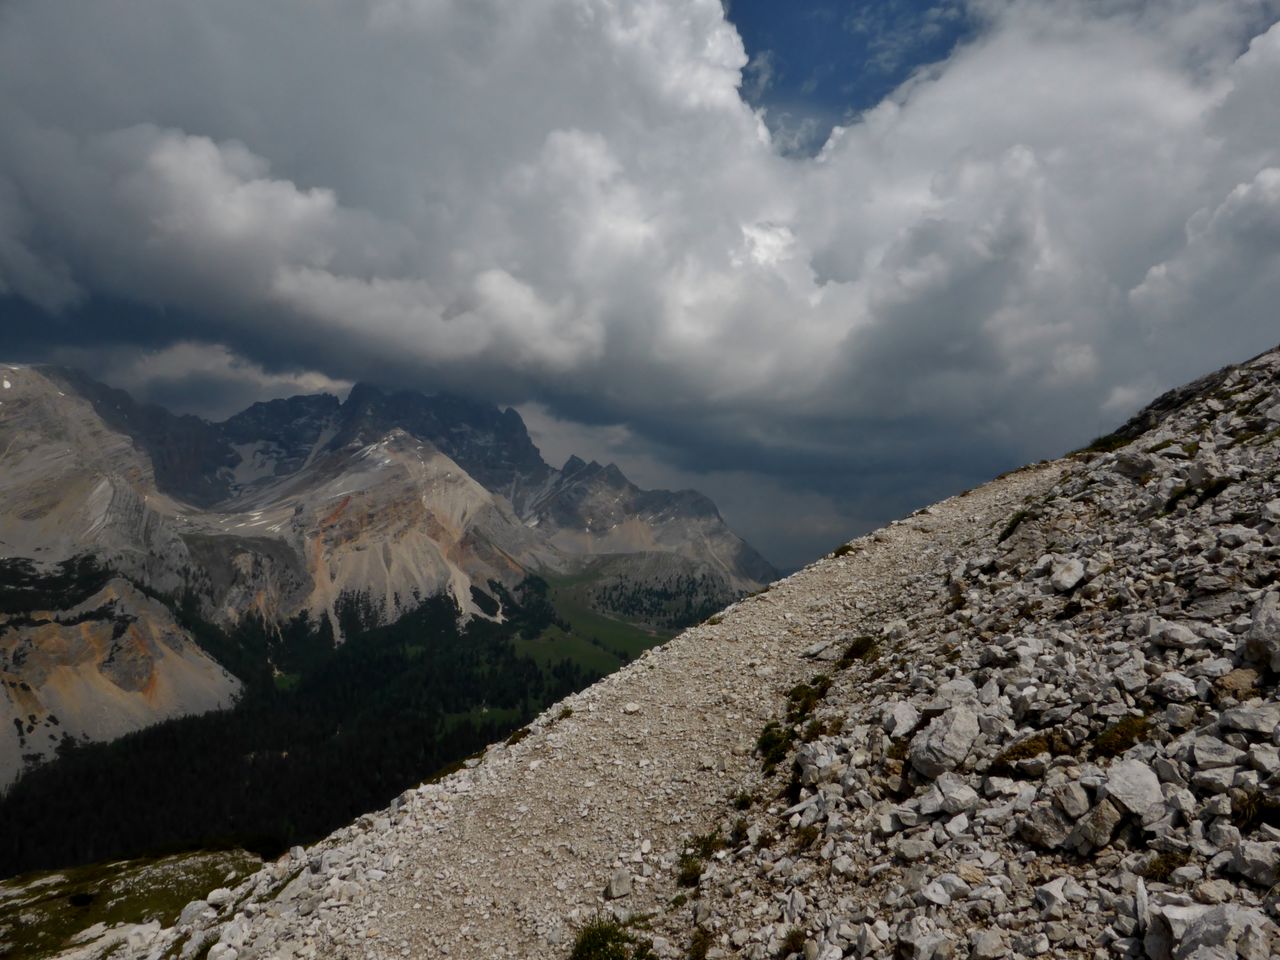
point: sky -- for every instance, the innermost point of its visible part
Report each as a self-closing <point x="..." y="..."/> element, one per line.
<point x="825" y="262"/>
<point x="813" y="65"/>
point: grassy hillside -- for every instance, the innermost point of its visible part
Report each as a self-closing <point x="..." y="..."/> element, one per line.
<point x="39" y="912"/>
<point x="592" y="640"/>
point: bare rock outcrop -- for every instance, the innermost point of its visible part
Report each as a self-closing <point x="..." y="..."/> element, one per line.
<point x="110" y="665"/>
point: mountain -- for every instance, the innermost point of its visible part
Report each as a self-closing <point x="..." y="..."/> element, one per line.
<point x="492" y="446"/>
<point x="340" y="514"/>
<point x="583" y="510"/>
<point x="74" y="484"/>
<point x="1040" y="718"/>
<point x="587" y="509"/>
<point x="96" y="669"/>
<point x="290" y="503"/>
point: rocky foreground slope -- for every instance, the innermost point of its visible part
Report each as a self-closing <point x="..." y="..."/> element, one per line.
<point x="1037" y="719"/>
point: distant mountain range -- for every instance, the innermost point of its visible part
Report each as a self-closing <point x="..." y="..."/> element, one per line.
<point x="295" y="507"/>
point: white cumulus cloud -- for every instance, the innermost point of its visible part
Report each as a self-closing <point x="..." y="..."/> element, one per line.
<point x="569" y="202"/>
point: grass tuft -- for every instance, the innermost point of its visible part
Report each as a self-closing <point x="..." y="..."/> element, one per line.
<point x="700" y="944"/>
<point x="1106" y="444"/>
<point x="806" y="837"/>
<point x="1012" y="526"/>
<point x="804" y="697"/>
<point x="1055" y="743"/>
<point x="607" y="940"/>
<point x="689" y="873"/>
<point x="793" y="942"/>
<point x="773" y="743"/>
<point x="707" y="844"/>
<point x="1161" y="868"/>
<point x="860" y="650"/>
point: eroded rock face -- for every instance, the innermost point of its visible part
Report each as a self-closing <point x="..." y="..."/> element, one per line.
<point x="1009" y="767"/>
<point x="1201" y="932"/>
<point x="112" y="664"/>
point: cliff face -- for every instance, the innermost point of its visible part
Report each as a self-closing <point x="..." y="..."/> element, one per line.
<point x="106" y="666"/>
<point x="72" y="484"/>
<point x="394" y="520"/>
<point x="1037" y="719"/>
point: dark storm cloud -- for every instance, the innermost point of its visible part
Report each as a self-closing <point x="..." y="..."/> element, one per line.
<point x="570" y="203"/>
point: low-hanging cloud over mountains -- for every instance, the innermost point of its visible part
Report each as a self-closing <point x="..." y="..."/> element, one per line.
<point x="568" y="202"/>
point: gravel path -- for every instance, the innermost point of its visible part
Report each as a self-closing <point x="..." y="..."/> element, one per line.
<point x="507" y="858"/>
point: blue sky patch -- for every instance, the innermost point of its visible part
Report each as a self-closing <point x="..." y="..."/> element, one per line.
<point x="815" y="63"/>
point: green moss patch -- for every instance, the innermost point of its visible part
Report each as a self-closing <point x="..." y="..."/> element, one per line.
<point x="40" y="913"/>
<point x="1120" y="736"/>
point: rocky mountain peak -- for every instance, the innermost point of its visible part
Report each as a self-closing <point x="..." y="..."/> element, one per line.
<point x="287" y="511"/>
<point x="188" y="454"/>
<point x="363" y="396"/>
<point x="613" y="476"/>
<point x="271" y="419"/>
<point x="490" y="444"/>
